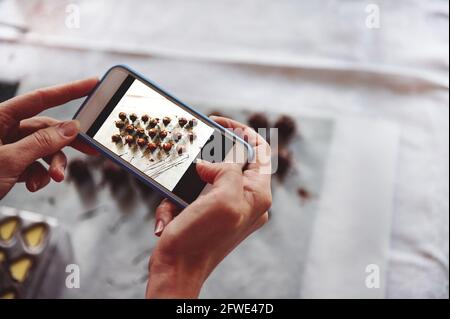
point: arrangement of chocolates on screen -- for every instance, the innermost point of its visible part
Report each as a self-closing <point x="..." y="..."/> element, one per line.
<point x="158" y="138"/>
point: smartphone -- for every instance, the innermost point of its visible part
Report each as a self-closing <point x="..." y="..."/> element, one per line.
<point x="155" y="136"/>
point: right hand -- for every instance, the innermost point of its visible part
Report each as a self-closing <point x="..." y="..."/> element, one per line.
<point x="194" y="242"/>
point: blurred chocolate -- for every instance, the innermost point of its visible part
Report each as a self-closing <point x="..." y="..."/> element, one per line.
<point x="123" y="116"/>
<point x="141" y="142"/>
<point x="285" y="162"/>
<point x="166" y="120"/>
<point x="182" y="121"/>
<point x="153" y="122"/>
<point x="286" y="127"/>
<point x="114" y="175"/>
<point x="120" y="124"/>
<point x="152" y="132"/>
<point x="258" y="120"/>
<point x="167" y="147"/>
<point x="129" y="139"/>
<point x="133" y="117"/>
<point x="303" y="193"/>
<point x="162" y="134"/>
<point x="145" y="118"/>
<point x="79" y="172"/>
<point x="116" y="138"/>
<point x="152" y="146"/>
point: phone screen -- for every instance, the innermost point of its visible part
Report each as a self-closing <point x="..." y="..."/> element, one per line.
<point x="158" y="137"/>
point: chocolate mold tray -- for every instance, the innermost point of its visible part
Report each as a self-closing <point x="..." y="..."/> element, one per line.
<point x="27" y="245"/>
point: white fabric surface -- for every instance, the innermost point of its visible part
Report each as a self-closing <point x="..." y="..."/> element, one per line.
<point x="309" y="57"/>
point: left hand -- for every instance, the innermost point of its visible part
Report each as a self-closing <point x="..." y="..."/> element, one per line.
<point x="24" y="138"/>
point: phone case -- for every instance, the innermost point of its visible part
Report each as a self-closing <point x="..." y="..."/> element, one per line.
<point x="148" y="181"/>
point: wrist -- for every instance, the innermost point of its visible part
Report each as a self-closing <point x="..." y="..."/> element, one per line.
<point x="174" y="279"/>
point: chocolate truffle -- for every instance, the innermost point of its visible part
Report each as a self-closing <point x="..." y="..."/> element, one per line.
<point x="120" y="124"/>
<point x="166" y="120"/>
<point x="123" y="116"/>
<point x="182" y="121"/>
<point x="162" y="134"/>
<point x="141" y="142"/>
<point x="133" y="117"/>
<point x="167" y="147"/>
<point x="145" y="118"/>
<point x="153" y="122"/>
<point x="116" y="138"/>
<point x="129" y="139"/>
<point x="152" y="132"/>
<point x="129" y="129"/>
<point x="258" y="120"/>
<point x="286" y="127"/>
<point x="152" y="146"/>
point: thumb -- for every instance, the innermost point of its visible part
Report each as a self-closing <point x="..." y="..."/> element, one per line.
<point x="45" y="142"/>
<point x="212" y="173"/>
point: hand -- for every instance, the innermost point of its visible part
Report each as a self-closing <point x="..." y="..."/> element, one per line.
<point x="194" y="242"/>
<point x="24" y="138"/>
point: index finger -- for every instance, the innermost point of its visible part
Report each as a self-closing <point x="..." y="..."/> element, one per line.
<point x="30" y="104"/>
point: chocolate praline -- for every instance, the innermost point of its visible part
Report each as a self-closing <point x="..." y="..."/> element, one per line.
<point x="191" y="136"/>
<point x="153" y="122"/>
<point x="152" y="132"/>
<point x="152" y="146"/>
<point x="162" y="134"/>
<point x="167" y="147"/>
<point x="133" y="117"/>
<point x="144" y="118"/>
<point x="116" y="138"/>
<point x="166" y="120"/>
<point x="177" y="136"/>
<point x="182" y="121"/>
<point x="129" y="139"/>
<point x="120" y="124"/>
<point x="129" y="129"/>
<point x="141" y="142"/>
<point x="192" y="122"/>
<point x="140" y="131"/>
<point x="123" y="116"/>
<point x="180" y="149"/>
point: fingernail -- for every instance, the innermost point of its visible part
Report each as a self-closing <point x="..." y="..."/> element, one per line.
<point x="69" y="128"/>
<point x="212" y="117"/>
<point x="159" y="227"/>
